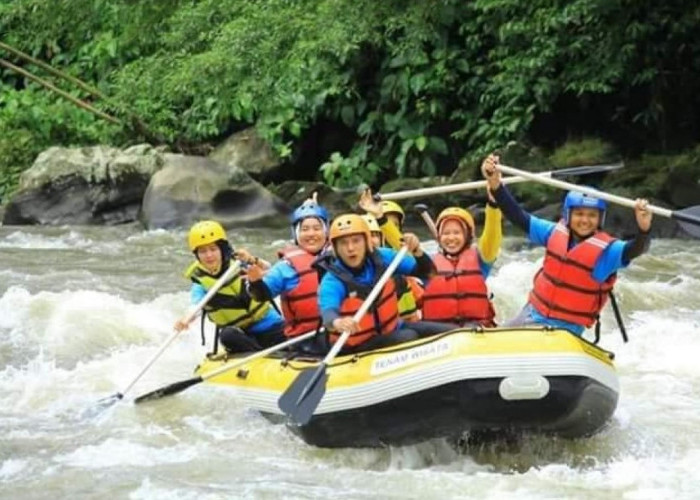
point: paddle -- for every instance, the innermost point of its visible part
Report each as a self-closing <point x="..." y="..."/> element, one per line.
<point x="230" y="272"/>
<point x="302" y="397"/>
<point x="688" y="218"/>
<point x="180" y="386"/>
<point x="422" y="210"/>
<point x="450" y="188"/>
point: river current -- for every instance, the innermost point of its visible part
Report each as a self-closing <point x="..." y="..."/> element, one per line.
<point x="82" y="309"/>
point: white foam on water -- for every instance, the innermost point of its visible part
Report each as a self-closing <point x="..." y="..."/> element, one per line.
<point x="12" y="467"/>
<point x="61" y="351"/>
<point x="25" y="240"/>
<point x="117" y="452"/>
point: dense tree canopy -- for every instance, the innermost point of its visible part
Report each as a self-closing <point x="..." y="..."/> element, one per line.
<point x="395" y="87"/>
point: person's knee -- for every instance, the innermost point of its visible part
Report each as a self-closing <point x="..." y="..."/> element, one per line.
<point x="235" y="339"/>
<point x="404" y="335"/>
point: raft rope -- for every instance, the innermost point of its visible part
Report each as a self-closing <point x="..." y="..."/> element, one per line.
<point x="618" y="318"/>
<point x="215" y="345"/>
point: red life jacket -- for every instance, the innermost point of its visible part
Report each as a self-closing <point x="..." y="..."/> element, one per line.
<point x="458" y="293"/>
<point x="564" y="288"/>
<point x="382" y="318"/>
<point x="300" y="306"/>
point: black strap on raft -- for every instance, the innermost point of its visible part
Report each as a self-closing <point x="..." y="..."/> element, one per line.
<point x="618" y="316"/>
<point x="215" y="346"/>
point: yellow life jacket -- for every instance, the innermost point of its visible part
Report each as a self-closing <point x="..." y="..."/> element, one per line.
<point x="410" y="294"/>
<point x="242" y="317"/>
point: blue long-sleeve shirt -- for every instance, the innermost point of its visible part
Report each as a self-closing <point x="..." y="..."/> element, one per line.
<point x="613" y="258"/>
<point x="332" y="291"/>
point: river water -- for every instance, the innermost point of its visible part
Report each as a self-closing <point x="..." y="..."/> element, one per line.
<point x="83" y="309"/>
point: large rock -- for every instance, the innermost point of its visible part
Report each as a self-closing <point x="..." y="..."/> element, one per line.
<point x="336" y="201"/>
<point x="247" y="151"/>
<point x="91" y="185"/>
<point x="435" y="202"/>
<point x="192" y="188"/>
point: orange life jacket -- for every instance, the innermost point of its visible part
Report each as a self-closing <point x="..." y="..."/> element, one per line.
<point x="300" y="306"/>
<point x="382" y="317"/>
<point x="564" y="288"/>
<point x="458" y="293"/>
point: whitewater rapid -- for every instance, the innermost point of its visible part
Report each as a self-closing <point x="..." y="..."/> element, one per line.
<point x="83" y="309"/>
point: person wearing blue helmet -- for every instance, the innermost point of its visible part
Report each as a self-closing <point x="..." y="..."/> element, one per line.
<point x="293" y="277"/>
<point x="581" y="263"/>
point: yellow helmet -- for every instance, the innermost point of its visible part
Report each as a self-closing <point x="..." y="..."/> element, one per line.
<point x="391" y="207"/>
<point x="205" y="232"/>
<point x="347" y="224"/>
<point x="372" y="223"/>
<point x="460" y="214"/>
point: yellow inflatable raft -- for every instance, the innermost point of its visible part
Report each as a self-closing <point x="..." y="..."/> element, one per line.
<point x="524" y="379"/>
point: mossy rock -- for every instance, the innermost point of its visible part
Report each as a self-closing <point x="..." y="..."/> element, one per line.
<point x="586" y="151"/>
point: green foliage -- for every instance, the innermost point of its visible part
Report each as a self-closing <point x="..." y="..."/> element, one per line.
<point x="588" y="151"/>
<point x="31" y="120"/>
<point x="16" y="152"/>
<point x="422" y="84"/>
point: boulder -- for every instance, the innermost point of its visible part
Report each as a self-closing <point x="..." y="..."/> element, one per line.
<point x="336" y="201"/>
<point x="247" y="151"/>
<point x="192" y="188"/>
<point x="90" y="185"/>
<point x="682" y="186"/>
<point x="435" y="202"/>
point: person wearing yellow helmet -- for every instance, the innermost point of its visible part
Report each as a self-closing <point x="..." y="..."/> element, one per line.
<point x="409" y="289"/>
<point x="349" y="276"/>
<point x="375" y="230"/>
<point x="243" y="324"/>
<point x="389" y="216"/>
<point x="459" y="293"/>
<point x="394" y="213"/>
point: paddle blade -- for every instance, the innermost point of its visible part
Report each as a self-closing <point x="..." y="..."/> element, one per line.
<point x="584" y="170"/>
<point x="101" y="405"/>
<point x="302" y="397"/>
<point x="169" y="390"/>
<point x="689" y="220"/>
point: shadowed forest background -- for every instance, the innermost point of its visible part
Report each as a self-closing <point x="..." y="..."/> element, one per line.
<point x="350" y="91"/>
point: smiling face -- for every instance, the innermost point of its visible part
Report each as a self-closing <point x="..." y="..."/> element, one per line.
<point x="351" y="249"/>
<point x="210" y="257"/>
<point x="311" y="235"/>
<point x="583" y="222"/>
<point x="452" y="236"/>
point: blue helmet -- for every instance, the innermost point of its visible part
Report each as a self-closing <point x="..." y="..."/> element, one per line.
<point x="309" y="209"/>
<point x="576" y="199"/>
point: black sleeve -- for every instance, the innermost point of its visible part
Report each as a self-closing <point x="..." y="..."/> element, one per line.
<point x="425" y="267"/>
<point x="259" y="291"/>
<point x="220" y="301"/>
<point x="636" y="247"/>
<point x="511" y="209"/>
